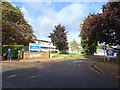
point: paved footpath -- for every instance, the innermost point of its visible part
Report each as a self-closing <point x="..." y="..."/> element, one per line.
<point x="41" y="60"/>
<point x="109" y="69"/>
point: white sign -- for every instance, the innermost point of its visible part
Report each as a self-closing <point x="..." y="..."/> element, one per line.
<point x="34" y="55"/>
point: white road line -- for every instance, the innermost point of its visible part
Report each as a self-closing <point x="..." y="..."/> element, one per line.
<point x="11" y="76"/>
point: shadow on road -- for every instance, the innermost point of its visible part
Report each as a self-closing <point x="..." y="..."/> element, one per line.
<point x="64" y="74"/>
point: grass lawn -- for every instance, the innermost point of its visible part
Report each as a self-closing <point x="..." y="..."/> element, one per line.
<point x="69" y="55"/>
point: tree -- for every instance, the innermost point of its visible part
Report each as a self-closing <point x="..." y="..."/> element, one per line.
<point x="15" y="29"/>
<point x="101" y="46"/>
<point x="59" y="38"/>
<point x="74" y="45"/>
<point x="89" y="41"/>
<point x="111" y="14"/>
<point x="89" y="48"/>
<point x="102" y="27"/>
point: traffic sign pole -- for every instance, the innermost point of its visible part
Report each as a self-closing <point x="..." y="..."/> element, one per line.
<point x="104" y="55"/>
<point x="104" y="48"/>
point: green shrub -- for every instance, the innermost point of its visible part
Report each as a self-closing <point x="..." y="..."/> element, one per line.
<point x="14" y="49"/>
<point x="76" y="56"/>
<point x="89" y="48"/>
<point x="101" y="46"/>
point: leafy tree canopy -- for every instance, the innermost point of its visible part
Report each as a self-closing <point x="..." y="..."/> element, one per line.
<point x="74" y="45"/>
<point x="103" y="27"/>
<point x="15" y="29"/>
<point x="59" y="38"/>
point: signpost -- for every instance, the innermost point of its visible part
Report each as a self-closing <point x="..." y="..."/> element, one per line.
<point x="104" y="48"/>
<point x="110" y="52"/>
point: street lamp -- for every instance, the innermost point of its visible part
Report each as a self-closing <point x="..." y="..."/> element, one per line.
<point x="23" y="53"/>
<point x="49" y="49"/>
<point x="70" y="37"/>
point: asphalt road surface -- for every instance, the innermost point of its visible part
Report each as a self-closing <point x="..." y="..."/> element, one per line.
<point x="62" y="74"/>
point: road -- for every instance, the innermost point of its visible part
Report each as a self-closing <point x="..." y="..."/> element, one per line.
<point x="61" y="74"/>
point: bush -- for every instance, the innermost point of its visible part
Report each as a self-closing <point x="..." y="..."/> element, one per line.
<point x="89" y="48"/>
<point x="101" y="46"/>
<point x="14" y="49"/>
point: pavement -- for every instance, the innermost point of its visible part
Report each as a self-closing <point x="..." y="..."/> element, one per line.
<point x="41" y="59"/>
<point x="110" y="69"/>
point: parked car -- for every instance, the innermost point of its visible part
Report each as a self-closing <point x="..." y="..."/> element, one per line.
<point x="82" y="52"/>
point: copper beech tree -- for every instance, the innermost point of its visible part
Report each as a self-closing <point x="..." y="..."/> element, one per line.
<point x="59" y="38"/>
<point x="101" y="27"/>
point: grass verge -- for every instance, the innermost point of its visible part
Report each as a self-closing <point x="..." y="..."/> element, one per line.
<point x="69" y="55"/>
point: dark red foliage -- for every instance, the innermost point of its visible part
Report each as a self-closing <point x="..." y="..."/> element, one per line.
<point x="103" y="27"/>
<point x="59" y="38"/>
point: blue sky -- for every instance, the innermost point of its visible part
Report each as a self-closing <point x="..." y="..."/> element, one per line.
<point x="43" y="16"/>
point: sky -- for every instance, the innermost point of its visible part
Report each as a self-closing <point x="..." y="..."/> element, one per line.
<point x="43" y="16"/>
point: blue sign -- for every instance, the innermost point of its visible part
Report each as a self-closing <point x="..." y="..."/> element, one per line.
<point x="35" y="47"/>
<point x="110" y="52"/>
<point x="104" y="47"/>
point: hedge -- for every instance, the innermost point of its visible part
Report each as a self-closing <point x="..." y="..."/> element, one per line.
<point x="14" y="49"/>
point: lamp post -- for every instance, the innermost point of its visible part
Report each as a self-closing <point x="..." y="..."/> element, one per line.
<point x="23" y="53"/>
<point x="49" y="49"/>
<point x="70" y="37"/>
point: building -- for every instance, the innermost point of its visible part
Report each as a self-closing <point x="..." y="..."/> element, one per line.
<point x="77" y="51"/>
<point x="45" y="46"/>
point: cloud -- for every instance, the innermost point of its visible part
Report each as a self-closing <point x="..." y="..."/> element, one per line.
<point x="27" y="15"/>
<point x="43" y="16"/>
<point x="70" y="16"/>
<point x="70" y="13"/>
<point x="63" y="0"/>
<point x="100" y="11"/>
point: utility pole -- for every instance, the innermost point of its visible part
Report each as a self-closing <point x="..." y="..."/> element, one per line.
<point x="49" y="49"/>
<point x="70" y="36"/>
<point x="104" y="48"/>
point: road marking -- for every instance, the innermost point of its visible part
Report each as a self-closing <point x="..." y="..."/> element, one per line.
<point x="35" y="76"/>
<point x="93" y="67"/>
<point x="98" y="69"/>
<point x="77" y="61"/>
<point x="11" y="76"/>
